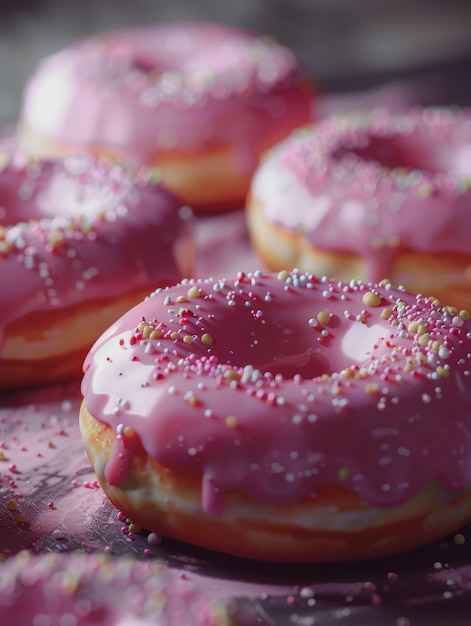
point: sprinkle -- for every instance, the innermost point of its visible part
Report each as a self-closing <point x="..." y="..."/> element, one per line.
<point x="323" y="317"/>
<point x="283" y="275"/>
<point x="231" y="421"/>
<point x="207" y="339"/>
<point x="459" y="539"/>
<point x="194" y="292"/>
<point x="188" y="339"/>
<point x="370" y="298"/>
<point x="386" y="313"/>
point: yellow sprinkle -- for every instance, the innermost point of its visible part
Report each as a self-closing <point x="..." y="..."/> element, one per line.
<point x="134" y="528"/>
<point x="459" y="539"/>
<point x="192" y="399"/>
<point x="141" y="327"/>
<point x="231" y="421"/>
<point x="464" y="314"/>
<point x="422" y="329"/>
<point x="344" y="473"/>
<point x="436" y="302"/>
<point x="2" y="456"/>
<point x="283" y="275"/>
<point x="424" y="339"/>
<point x="400" y="304"/>
<point x="422" y="357"/>
<point x="384" y="282"/>
<point x="147" y="331"/>
<point x="370" y="298"/>
<point x="451" y="309"/>
<point x="155" y="334"/>
<point x="347" y="372"/>
<point x="20" y="518"/>
<point x="323" y="317"/>
<point x="372" y="388"/>
<point x="194" y="292"/>
<point x="232" y="375"/>
<point x="188" y="339"/>
<point x="413" y="327"/>
<point x="181" y="299"/>
<point x="436" y="345"/>
<point x="128" y="431"/>
<point x="444" y="372"/>
<point x="386" y="313"/>
<point x="409" y="367"/>
<point x="206" y="339"/>
<point x="336" y="390"/>
<point x="174" y="335"/>
<point x="11" y="505"/>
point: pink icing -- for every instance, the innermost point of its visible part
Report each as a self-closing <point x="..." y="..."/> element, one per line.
<point x="81" y="229"/>
<point x="275" y="385"/>
<point x="182" y="86"/>
<point x="375" y="184"/>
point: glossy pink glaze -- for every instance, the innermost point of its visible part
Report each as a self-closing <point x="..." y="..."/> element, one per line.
<point x="81" y="229"/>
<point x="89" y="589"/>
<point x="182" y="87"/>
<point x="274" y="401"/>
<point x="375" y="184"/>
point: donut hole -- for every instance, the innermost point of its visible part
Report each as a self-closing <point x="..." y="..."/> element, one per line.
<point x="281" y="347"/>
<point x="404" y="152"/>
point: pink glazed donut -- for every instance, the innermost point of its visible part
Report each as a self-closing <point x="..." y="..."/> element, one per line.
<point x="198" y="102"/>
<point x="80" y="243"/>
<point x="372" y="196"/>
<point x="285" y="418"/>
<point x="83" y="589"/>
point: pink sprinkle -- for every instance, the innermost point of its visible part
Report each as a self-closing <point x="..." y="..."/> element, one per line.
<point x="369" y="587"/>
<point x="376" y="599"/>
<point x="393" y="577"/>
<point x="402" y="621"/>
<point x="290" y="600"/>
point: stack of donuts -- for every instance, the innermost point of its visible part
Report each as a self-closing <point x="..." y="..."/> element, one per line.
<point x="315" y="410"/>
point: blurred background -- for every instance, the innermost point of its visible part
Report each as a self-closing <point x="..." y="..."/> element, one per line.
<point x="347" y="45"/>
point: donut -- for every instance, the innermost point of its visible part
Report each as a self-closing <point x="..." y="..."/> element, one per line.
<point x="81" y="241"/>
<point x="370" y="196"/>
<point x="88" y="589"/>
<point x="284" y="417"/>
<point x="198" y="102"/>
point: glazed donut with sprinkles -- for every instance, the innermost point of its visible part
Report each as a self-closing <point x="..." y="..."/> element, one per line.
<point x="81" y="241"/>
<point x="198" y="102"/>
<point x="369" y="196"/>
<point x="285" y="417"/>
